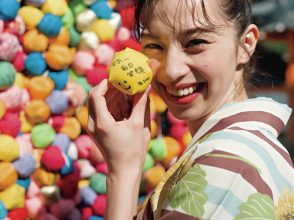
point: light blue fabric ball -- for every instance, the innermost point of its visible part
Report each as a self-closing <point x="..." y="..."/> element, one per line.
<point x="3" y="211"/>
<point x="60" y="79"/>
<point x="7" y="75"/>
<point x="94" y="217"/>
<point x="62" y="141"/>
<point x="25" y="183"/>
<point x="68" y="166"/>
<point x="35" y="64"/>
<point x="58" y="102"/>
<point x="8" y="9"/>
<point x="102" y="9"/>
<point x="25" y="165"/>
<point x="50" y="25"/>
<point x="88" y="195"/>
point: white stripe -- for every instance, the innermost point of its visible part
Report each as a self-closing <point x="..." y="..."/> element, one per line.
<point x="218" y="210"/>
<point x="258" y="104"/>
<point x="245" y="152"/>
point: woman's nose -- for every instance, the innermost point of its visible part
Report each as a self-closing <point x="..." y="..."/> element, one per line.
<point x="175" y="65"/>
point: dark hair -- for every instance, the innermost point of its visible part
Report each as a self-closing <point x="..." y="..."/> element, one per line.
<point x="237" y="11"/>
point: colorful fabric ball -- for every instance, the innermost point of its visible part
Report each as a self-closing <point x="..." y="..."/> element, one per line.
<point x="50" y="195"/>
<point x="7" y="75"/>
<point x="35" y="41"/>
<point x="88" y="195"/>
<point x="37" y="111"/>
<point x="84" y="20"/>
<point x="63" y="38"/>
<point x="104" y="30"/>
<point x="42" y="135"/>
<point x="45" y="178"/>
<point x="40" y="87"/>
<point x="31" y="16"/>
<point x="99" y="206"/>
<point x="25" y="165"/>
<point x="8" y="175"/>
<point x="88" y="41"/>
<point x="82" y="62"/>
<point x="10" y="124"/>
<point x="59" y="57"/>
<point x="25" y="183"/>
<point x="52" y="159"/>
<point x="105" y="54"/>
<point x="18" y="61"/>
<point x="62" y="141"/>
<point x="35" y="64"/>
<point x="71" y="127"/>
<point x="60" y="79"/>
<point x="68" y="166"/>
<point x="3" y="211"/>
<point x="9" y="148"/>
<point x="9" y="46"/>
<point x="98" y="183"/>
<point x="57" y="101"/>
<point x="56" y="7"/>
<point x="101" y="9"/>
<point x="18" y="214"/>
<point x="13" y="197"/>
<point x="50" y="25"/>
<point x="75" y="93"/>
<point x="8" y="9"/>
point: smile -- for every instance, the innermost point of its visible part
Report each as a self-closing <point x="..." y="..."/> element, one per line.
<point x="127" y="88"/>
<point x="184" y="95"/>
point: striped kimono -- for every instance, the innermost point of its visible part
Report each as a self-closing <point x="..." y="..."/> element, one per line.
<point x="234" y="168"/>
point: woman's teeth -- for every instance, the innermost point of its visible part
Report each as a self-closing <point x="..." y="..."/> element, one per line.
<point x="182" y="92"/>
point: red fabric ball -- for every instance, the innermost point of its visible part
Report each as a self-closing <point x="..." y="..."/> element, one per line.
<point x="10" y="124"/>
<point x="102" y="168"/>
<point x="127" y="17"/>
<point x="87" y="212"/>
<point x="96" y="75"/>
<point x="68" y="184"/>
<point x="18" y="61"/>
<point x="115" y="44"/>
<point x="99" y="206"/>
<point x="177" y="131"/>
<point x="18" y="214"/>
<point x="132" y="43"/>
<point x="52" y="159"/>
<point x="57" y="122"/>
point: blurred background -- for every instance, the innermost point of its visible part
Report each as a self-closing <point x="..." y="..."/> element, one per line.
<point x="52" y="52"/>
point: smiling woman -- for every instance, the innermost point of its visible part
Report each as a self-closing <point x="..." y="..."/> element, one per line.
<point x="234" y="167"/>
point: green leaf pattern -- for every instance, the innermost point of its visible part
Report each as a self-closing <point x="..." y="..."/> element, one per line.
<point x="189" y="193"/>
<point x="257" y="207"/>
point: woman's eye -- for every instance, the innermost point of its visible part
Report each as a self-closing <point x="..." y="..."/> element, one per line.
<point x="196" y="43"/>
<point x="153" y="46"/>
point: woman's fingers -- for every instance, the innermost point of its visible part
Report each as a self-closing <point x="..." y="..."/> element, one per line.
<point x="139" y="105"/>
<point x="98" y="101"/>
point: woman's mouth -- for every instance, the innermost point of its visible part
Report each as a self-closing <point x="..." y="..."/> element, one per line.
<point x="184" y="95"/>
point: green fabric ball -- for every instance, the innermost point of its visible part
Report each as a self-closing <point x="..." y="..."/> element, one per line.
<point x="77" y="6"/>
<point x="98" y="183"/>
<point x="149" y="162"/>
<point x="42" y="135"/>
<point x="68" y="19"/>
<point x="74" y="37"/>
<point x="158" y="149"/>
<point x="7" y="75"/>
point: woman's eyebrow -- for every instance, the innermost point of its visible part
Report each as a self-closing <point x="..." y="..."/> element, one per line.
<point x="196" y="30"/>
<point x="149" y="35"/>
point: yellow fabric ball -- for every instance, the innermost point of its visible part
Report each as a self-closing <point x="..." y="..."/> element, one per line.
<point x="82" y="116"/>
<point x="130" y="72"/>
<point x="35" y="41"/>
<point x="13" y="197"/>
<point x="26" y="126"/>
<point x="103" y="29"/>
<point x="56" y="7"/>
<point x="31" y="16"/>
<point x="9" y="148"/>
<point x="71" y="127"/>
<point x="21" y="81"/>
<point x="2" y="109"/>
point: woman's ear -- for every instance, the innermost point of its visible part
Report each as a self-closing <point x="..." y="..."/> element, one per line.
<point x="249" y="40"/>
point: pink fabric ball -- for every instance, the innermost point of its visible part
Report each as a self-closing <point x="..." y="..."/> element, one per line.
<point x="25" y="144"/>
<point x="9" y="46"/>
<point x="177" y="131"/>
<point x="104" y="53"/>
<point x="123" y="34"/>
<point x="12" y="97"/>
<point x="173" y="120"/>
<point x="57" y="122"/>
<point x="16" y="26"/>
<point x="84" y="145"/>
<point x="33" y="190"/>
<point x="34" y="206"/>
<point x="75" y="93"/>
<point x="83" y="61"/>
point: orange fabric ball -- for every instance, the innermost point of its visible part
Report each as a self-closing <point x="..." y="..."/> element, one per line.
<point x="37" y="111"/>
<point x="35" y="41"/>
<point x="40" y="87"/>
<point x="59" y="57"/>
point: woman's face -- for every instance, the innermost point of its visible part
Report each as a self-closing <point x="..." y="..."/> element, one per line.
<point x="199" y="67"/>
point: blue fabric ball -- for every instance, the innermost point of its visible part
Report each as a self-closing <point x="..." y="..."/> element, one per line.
<point x="62" y="141"/>
<point x="50" y="25"/>
<point x="94" y="217"/>
<point x="60" y="79"/>
<point x="3" y="211"/>
<point x="57" y="101"/>
<point x="25" y="165"/>
<point x="8" y="9"/>
<point x="35" y="63"/>
<point x="25" y="183"/>
<point x="102" y="9"/>
<point x="68" y="166"/>
<point x="88" y="195"/>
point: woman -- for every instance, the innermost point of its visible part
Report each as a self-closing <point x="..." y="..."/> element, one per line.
<point x="234" y="168"/>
